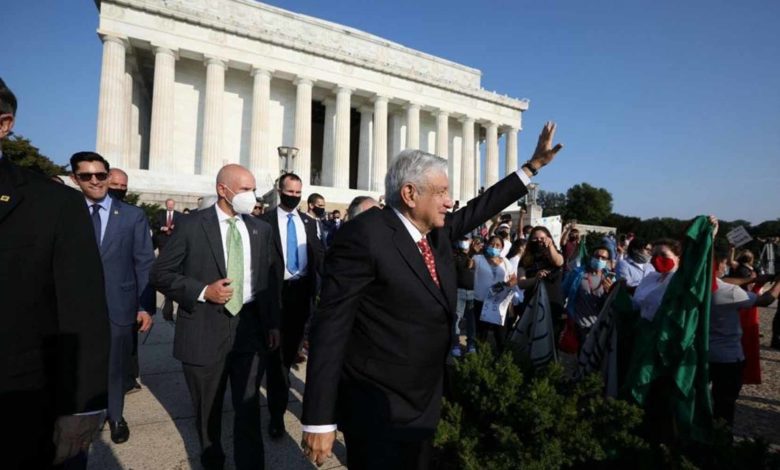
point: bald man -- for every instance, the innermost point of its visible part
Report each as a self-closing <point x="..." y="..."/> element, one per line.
<point x="117" y="183"/>
<point x="218" y="267"/>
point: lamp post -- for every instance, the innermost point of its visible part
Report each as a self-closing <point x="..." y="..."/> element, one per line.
<point x="287" y="155"/>
<point x="532" y="188"/>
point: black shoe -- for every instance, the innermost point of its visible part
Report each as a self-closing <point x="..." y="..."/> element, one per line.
<point x="135" y="387"/>
<point x="119" y="431"/>
<point x="276" y="428"/>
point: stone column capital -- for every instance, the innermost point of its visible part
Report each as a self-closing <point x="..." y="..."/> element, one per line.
<point x="303" y="81"/>
<point x="379" y="99"/>
<point x="441" y="112"/>
<point x="329" y="101"/>
<point x="366" y="109"/>
<point x="466" y="120"/>
<point x="115" y="38"/>
<point x="412" y="106"/>
<point x="157" y="49"/>
<point x="214" y="60"/>
<point x="264" y="71"/>
<point x="508" y="128"/>
<point x="343" y="89"/>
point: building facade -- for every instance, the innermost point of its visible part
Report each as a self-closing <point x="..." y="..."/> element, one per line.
<point x="189" y="85"/>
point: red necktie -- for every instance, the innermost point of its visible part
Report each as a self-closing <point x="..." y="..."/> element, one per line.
<point x="430" y="263"/>
<point x="170" y="219"/>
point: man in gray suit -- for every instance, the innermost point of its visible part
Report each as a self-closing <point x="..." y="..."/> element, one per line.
<point x="122" y="234"/>
<point x="218" y="267"/>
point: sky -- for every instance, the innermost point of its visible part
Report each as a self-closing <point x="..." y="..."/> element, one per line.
<point x="673" y="107"/>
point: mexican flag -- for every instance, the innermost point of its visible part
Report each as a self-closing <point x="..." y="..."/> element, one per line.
<point x="670" y="353"/>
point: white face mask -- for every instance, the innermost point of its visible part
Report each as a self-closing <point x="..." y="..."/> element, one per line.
<point x="243" y="203"/>
<point x="463" y="245"/>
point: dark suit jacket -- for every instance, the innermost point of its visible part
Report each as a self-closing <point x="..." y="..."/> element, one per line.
<point x="159" y="221"/>
<point x="127" y="256"/>
<point x="194" y="258"/>
<point x="379" y="339"/>
<point x="54" y="328"/>
<point x="314" y="248"/>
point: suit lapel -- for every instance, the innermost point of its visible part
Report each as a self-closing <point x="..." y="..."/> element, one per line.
<point x="211" y="227"/>
<point x="310" y="227"/>
<point x="10" y="179"/>
<point x="114" y="213"/>
<point x="411" y="255"/>
<point x="254" y="244"/>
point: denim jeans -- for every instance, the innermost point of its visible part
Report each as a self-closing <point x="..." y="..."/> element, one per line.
<point x="464" y="313"/>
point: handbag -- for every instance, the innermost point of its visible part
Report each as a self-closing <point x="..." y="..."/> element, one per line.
<point x="568" y="342"/>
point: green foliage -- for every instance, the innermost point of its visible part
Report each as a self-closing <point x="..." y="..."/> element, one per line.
<point x="552" y="203"/>
<point x="502" y="418"/>
<point x="588" y="204"/>
<point x="20" y="151"/>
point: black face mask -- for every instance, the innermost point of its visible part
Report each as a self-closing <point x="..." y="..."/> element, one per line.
<point x="290" y="202"/>
<point x="503" y="234"/>
<point x="537" y="247"/>
<point x="117" y="193"/>
<point x="319" y="212"/>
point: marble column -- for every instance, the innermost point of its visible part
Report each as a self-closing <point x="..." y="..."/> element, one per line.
<point x="467" y="179"/>
<point x="261" y="158"/>
<point x="161" y="156"/>
<point x="413" y="126"/>
<point x="135" y="125"/>
<point x="302" y="163"/>
<point x="112" y="103"/>
<point x="365" y="148"/>
<point x="379" y="157"/>
<point x="328" y="141"/>
<point x="395" y="135"/>
<point x="491" y="162"/>
<point x="213" y="116"/>
<point x="511" y="150"/>
<point x="442" y="134"/>
<point x="341" y="145"/>
<point x="477" y="161"/>
<point x="129" y="131"/>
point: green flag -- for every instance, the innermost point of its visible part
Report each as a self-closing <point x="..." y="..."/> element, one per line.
<point x="674" y="345"/>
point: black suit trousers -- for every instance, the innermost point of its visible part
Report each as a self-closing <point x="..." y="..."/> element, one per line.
<point x="296" y="308"/>
<point x="207" y="384"/>
<point x="371" y="453"/>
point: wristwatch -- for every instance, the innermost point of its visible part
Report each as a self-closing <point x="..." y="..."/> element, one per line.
<point x="530" y="168"/>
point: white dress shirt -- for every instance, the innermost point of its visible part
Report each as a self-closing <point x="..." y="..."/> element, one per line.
<point x="416" y="237"/>
<point x="300" y="234"/>
<point x="223" y="218"/>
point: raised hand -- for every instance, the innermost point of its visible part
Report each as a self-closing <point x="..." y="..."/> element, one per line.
<point x="545" y="152"/>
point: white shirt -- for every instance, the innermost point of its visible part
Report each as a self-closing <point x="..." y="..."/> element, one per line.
<point x="416" y="237"/>
<point x="300" y="234"/>
<point x="486" y="275"/>
<point x="223" y="218"/>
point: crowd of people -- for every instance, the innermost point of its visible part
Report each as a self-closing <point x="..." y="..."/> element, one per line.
<point x="377" y="299"/>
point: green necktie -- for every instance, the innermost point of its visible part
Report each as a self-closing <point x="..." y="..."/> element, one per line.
<point x="235" y="267"/>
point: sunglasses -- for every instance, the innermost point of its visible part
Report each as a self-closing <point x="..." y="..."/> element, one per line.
<point x="85" y="177"/>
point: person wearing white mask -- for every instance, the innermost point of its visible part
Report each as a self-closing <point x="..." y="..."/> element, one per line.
<point x="221" y="270"/>
<point x="586" y="288"/>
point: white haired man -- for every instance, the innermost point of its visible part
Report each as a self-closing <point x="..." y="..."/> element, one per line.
<point x="381" y="334"/>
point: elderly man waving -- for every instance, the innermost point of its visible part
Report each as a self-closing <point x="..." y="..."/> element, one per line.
<point x="380" y="337"/>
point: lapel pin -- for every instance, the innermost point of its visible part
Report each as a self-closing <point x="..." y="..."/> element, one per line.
<point x="5" y="198"/>
<point x="254" y="232"/>
<point x="116" y="212"/>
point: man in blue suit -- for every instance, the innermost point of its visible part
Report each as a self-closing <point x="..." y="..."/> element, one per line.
<point x="122" y="234"/>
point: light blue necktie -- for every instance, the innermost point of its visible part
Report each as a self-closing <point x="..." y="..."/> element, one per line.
<point x="292" y="245"/>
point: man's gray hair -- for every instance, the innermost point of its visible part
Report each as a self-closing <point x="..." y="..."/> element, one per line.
<point x="410" y="166"/>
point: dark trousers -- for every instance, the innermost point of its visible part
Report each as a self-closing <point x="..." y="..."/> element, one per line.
<point x="167" y="309"/>
<point x="483" y="328"/>
<point x="134" y="371"/>
<point x="365" y="453"/>
<point x="296" y="307"/>
<point x="726" y="378"/>
<point x="207" y="388"/>
<point x="119" y="366"/>
<point x="776" y="329"/>
<point x="29" y="423"/>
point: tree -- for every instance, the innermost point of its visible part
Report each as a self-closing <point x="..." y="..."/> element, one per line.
<point x="588" y="204"/>
<point x="20" y="151"/>
<point x="551" y="202"/>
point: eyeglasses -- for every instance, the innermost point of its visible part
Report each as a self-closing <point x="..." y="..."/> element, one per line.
<point x="86" y="177"/>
